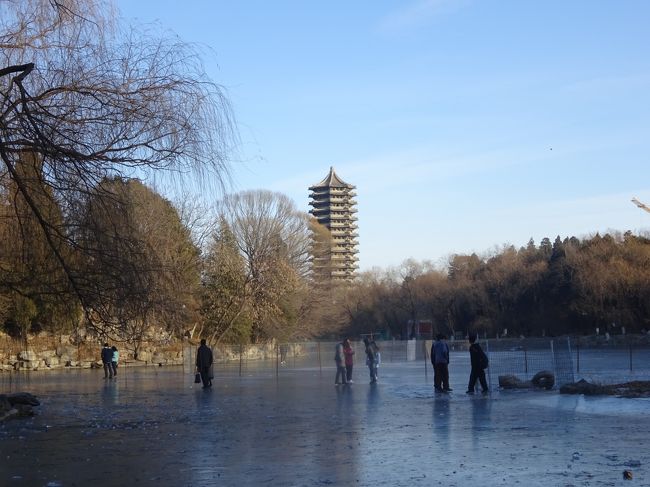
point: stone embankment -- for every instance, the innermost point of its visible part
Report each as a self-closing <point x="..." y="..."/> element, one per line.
<point x="44" y="352"/>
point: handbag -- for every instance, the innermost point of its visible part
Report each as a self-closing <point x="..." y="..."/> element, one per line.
<point x="197" y="378"/>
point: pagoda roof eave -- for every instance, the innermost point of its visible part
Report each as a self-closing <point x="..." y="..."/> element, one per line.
<point x="331" y="180"/>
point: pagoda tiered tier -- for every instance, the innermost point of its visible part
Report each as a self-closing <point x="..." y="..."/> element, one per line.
<point x="333" y="206"/>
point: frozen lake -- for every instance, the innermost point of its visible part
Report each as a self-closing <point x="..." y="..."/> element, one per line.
<point x="154" y="427"/>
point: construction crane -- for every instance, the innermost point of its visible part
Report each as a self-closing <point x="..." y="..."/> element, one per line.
<point x="640" y="205"/>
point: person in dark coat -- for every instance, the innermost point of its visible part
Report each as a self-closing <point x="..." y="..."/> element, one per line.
<point x="204" y="361"/>
<point x="479" y="363"/>
<point x="372" y="358"/>
<point x="348" y="351"/>
<point x="440" y="362"/>
<point x="107" y="359"/>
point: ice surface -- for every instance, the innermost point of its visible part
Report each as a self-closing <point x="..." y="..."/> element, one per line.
<point x="154" y="427"/>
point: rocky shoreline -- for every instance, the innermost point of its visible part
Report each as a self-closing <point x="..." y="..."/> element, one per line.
<point x="48" y="352"/>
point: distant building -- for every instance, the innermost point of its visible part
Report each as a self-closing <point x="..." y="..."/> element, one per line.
<point x="333" y="207"/>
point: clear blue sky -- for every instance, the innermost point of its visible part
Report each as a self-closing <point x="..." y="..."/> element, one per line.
<point x="464" y="124"/>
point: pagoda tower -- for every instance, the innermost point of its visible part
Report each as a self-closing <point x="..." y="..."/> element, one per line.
<point x="333" y="206"/>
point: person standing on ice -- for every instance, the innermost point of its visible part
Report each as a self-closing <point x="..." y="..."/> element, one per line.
<point x="107" y="359"/>
<point x="479" y="363"/>
<point x="349" y="359"/>
<point x="339" y="358"/>
<point x="204" y="361"/>
<point x="440" y="362"/>
<point x="115" y="359"/>
<point x="372" y="359"/>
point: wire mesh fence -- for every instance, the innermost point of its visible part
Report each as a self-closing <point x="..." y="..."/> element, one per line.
<point x="565" y="358"/>
<point x="611" y="363"/>
<point x="525" y="358"/>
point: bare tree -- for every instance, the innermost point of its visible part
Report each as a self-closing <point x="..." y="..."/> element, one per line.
<point x="274" y="239"/>
<point x="89" y="99"/>
<point x="226" y="309"/>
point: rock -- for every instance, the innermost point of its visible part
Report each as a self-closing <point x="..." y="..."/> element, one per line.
<point x="627" y="475"/>
<point x="17" y="405"/>
<point x="66" y="351"/>
<point x="22" y="398"/>
<point x="5" y="405"/>
<point x="544" y="380"/>
<point x="634" y="389"/>
<point x="145" y="356"/>
<point x="513" y="382"/>
<point x="30" y="364"/>
<point x="12" y="413"/>
<point x="159" y="358"/>
<point x="27" y="356"/>
<point x="52" y="361"/>
<point x="45" y="354"/>
<point x="582" y="387"/>
<point x="21" y="411"/>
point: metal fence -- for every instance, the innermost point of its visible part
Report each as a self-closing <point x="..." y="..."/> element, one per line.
<point x="612" y="363"/>
<point x="566" y="358"/>
<point x="526" y="357"/>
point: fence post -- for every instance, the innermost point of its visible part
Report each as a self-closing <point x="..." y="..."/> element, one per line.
<point x="277" y="355"/>
<point x="525" y="361"/>
<point x="578" y="354"/>
<point x="554" y="363"/>
<point x="487" y="352"/>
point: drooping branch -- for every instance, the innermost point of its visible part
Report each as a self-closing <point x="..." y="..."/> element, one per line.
<point x="91" y="102"/>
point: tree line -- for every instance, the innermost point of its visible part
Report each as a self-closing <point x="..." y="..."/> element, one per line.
<point x="565" y="286"/>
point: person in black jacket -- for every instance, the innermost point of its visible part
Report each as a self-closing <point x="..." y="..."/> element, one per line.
<point x="107" y="358"/>
<point x="204" y="361"/>
<point x="479" y="363"/>
<point x="372" y="358"/>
